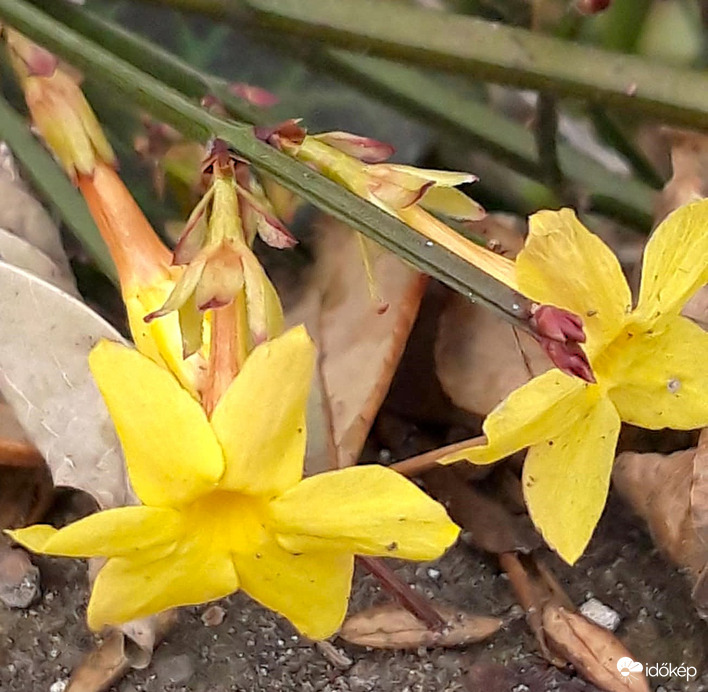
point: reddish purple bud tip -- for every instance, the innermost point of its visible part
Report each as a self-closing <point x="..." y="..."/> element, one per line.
<point x="569" y="358"/>
<point x="557" y="324"/>
<point x="273" y="135"/>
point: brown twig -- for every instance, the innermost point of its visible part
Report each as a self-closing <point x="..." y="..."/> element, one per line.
<point x="424" y="462"/>
<point x="409" y="598"/>
<point x="19" y="454"/>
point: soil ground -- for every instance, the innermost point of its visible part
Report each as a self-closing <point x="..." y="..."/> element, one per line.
<point x="254" y="650"/>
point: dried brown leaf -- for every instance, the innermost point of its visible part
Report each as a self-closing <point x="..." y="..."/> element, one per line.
<point x="670" y="492"/>
<point x="393" y="627"/>
<point x="593" y="650"/>
<point x="689" y="160"/>
<point x="111" y="659"/>
<point x="480" y="358"/>
<point x="360" y="346"/>
<point x="489" y="524"/>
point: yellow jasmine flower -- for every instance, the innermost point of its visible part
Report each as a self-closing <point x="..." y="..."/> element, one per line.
<point x="225" y="506"/>
<point x="649" y="363"/>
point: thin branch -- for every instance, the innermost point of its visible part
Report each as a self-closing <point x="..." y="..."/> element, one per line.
<point x="410" y="599"/>
<point x="546" y="130"/>
<point x="416" y="465"/>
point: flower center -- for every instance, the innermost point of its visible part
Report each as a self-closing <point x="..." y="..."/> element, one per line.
<point x="236" y="522"/>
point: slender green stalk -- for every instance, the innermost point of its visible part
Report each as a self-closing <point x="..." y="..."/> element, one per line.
<point x="485" y="50"/>
<point x="615" y="136"/>
<point x="151" y="58"/>
<point x="547" y="139"/>
<point x="52" y="183"/>
<point x="419" y="94"/>
<point x="175" y="109"/>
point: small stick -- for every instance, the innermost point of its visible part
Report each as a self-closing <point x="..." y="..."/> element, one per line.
<point x="424" y="462"/>
<point x="19" y="454"/>
<point x="409" y="598"/>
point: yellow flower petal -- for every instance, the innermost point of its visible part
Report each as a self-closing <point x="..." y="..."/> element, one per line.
<point x="260" y="419"/>
<point x="563" y="264"/>
<point x="566" y="480"/>
<point x="310" y="590"/>
<point x="170" y="449"/>
<point x="362" y="509"/>
<point x="675" y="262"/>
<point x="161" y="339"/>
<point x="114" y="532"/>
<point x="662" y="377"/>
<point x="547" y="404"/>
<point x="126" y="589"/>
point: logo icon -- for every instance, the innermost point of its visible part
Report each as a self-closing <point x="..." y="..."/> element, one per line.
<point x="626" y="666"/>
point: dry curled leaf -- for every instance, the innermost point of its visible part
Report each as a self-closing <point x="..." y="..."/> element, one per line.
<point x="393" y="627"/>
<point x="111" y="659"/>
<point x="593" y="650"/>
<point x="563" y="635"/>
<point x="670" y="492"/>
<point x="359" y="344"/>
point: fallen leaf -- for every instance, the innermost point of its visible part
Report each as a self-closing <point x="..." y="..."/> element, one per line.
<point x="689" y="161"/>
<point x="565" y="636"/>
<point x="393" y="627"/>
<point x="480" y="358"/>
<point x="111" y="659"/>
<point x="359" y="346"/>
<point x="489" y="523"/>
<point x="44" y="375"/>
<point x="24" y="217"/>
<point x="593" y="650"/>
<point x="670" y="492"/>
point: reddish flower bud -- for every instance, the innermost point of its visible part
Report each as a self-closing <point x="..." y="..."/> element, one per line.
<point x="276" y="135"/>
<point x="365" y="149"/>
<point x="557" y="324"/>
<point x="569" y="358"/>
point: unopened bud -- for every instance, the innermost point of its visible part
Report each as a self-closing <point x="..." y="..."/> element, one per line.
<point x="569" y="358"/>
<point x="557" y="324"/>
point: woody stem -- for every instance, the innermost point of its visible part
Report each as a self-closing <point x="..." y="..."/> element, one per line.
<point x="408" y="597"/>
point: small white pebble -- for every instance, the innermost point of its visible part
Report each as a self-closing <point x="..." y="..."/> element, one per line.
<point x="600" y="614"/>
<point x="59" y="685"/>
<point x="429" y="243"/>
<point x="433" y="573"/>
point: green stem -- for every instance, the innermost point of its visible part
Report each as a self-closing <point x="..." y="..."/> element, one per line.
<point x="175" y="109"/>
<point x="615" y="136"/>
<point x="547" y="139"/>
<point x="485" y="50"/>
<point x="52" y="183"/>
<point x="432" y="100"/>
<point x="150" y="58"/>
